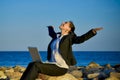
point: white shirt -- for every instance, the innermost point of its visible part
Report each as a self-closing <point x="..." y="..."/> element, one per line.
<point x="56" y="56"/>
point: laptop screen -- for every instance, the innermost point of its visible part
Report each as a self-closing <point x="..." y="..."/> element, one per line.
<point x="34" y="54"/>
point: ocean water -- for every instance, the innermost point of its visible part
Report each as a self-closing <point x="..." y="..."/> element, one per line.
<point x="22" y="58"/>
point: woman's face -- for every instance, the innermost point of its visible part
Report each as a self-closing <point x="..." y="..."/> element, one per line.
<point x="65" y="26"/>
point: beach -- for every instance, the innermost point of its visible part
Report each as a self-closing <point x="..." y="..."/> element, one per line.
<point x="93" y="71"/>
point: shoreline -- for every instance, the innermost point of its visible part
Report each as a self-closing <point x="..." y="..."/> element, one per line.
<point x="112" y="65"/>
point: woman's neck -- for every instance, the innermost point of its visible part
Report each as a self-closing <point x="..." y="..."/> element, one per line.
<point x="64" y="33"/>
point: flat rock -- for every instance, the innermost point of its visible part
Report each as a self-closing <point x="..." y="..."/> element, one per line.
<point x="93" y="65"/>
<point x="76" y="73"/>
<point x="2" y="75"/>
<point x="64" y="77"/>
<point x="91" y="76"/>
<point x="115" y="74"/>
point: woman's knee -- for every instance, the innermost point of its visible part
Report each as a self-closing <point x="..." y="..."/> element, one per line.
<point x="36" y="64"/>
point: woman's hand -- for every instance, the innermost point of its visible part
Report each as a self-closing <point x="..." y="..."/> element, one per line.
<point x="97" y="29"/>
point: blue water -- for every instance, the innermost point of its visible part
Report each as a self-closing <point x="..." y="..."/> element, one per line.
<point x="12" y="58"/>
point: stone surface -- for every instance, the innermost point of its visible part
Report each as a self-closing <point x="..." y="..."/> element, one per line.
<point x="108" y="66"/>
<point x="19" y="69"/>
<point x="80" y="79"/>
<point x="93" y="65"/>
<point x="2" y="75"/>
<point x="76" y="73"/>
<point x="91" y="72"/>
<point x="9" y="70"/>
<point x="3" y="69"/>
<point x="117" y="67"/>
<point x="115" y="74"/>
<point x="13" y="75"/>
<point x="112" y="78"/>
<point x="64" y="77"/>
<point x="91" y="76"/>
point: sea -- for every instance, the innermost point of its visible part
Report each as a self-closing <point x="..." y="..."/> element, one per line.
<point x="83" y="58"/>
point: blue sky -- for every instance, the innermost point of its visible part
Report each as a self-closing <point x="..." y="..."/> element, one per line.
<point x="23" y="23"/>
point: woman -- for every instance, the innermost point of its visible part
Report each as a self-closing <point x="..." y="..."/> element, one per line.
<point x="60" y="55"/>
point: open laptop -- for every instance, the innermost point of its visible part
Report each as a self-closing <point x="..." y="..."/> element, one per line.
<point x="34" y="54"/>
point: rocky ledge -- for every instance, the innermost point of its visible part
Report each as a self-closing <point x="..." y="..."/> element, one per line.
<point x="91" y="72"/>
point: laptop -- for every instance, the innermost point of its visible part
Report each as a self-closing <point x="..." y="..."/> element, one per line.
<point x="34" y="54"/>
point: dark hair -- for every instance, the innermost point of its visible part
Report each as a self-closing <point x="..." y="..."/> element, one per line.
<point x="72" y="26"/>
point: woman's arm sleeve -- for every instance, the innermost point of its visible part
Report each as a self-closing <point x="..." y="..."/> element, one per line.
<point x="51" y="32"/>
<point x="84" y="37"/>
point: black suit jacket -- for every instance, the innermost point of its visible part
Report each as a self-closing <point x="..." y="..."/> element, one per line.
<point x="66" y="43"/>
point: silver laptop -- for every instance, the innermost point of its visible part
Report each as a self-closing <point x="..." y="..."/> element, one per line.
<point x="34" y="54"/>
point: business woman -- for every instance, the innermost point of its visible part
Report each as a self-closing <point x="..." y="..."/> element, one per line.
<point x="59" y="53"/>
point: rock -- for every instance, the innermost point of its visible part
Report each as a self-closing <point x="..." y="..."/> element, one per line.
<point x="77" y="74"/>
<point x="3" y="69"/>
<point x="38" y="79"/>
<point x="96" y="79"/>
<point x="93" y="65"/>
<point x="67" y="76"/>
<point x="19" y="69"/>
<point x="112" y="78"/>
<point x="42" y="76"/>
<point x="13" y="75"/>
<point x="108" y="66"/>
<point x="9" y="70"/>
<point x="117" y="67"/>
<point x="91" y="76"/>
<point x="72" y="68"/>
<point x="115" y="74"/>
<point x="80" y="79"/>
<point x="2" y="75"/>
<point x="103" y="75"/>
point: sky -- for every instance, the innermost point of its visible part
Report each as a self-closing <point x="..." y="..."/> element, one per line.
<point x="23" y="23"/>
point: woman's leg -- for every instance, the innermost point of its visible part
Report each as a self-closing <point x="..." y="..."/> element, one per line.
<point x="27" y="70"/>
<point x="50" y="69"/>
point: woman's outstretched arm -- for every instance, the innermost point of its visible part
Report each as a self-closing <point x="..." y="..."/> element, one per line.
<point x="86" y="36"/>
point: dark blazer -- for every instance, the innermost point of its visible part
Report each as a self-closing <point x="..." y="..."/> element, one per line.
<point x="66" y="43"/>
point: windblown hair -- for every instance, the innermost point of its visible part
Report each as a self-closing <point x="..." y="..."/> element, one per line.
<point x="72" y="26"/>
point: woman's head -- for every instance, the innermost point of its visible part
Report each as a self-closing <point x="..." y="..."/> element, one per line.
<point x="67" y="26"/>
